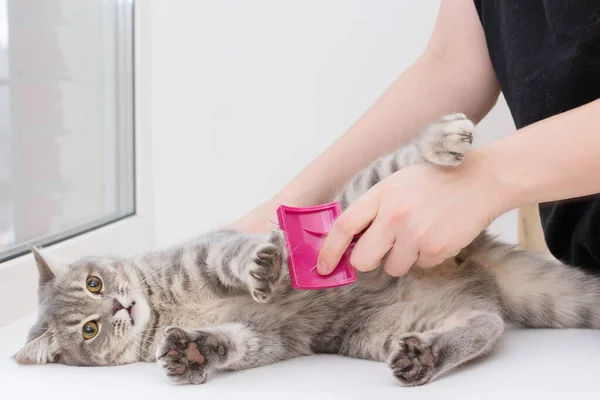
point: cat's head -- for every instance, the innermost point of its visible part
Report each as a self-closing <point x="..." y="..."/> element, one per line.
<point x="91" y="312"/>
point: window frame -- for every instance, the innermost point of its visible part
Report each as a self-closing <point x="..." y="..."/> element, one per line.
<point x="127" y="235"/>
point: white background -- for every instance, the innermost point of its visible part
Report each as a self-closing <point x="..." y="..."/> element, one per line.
<point x="248" y="92"/>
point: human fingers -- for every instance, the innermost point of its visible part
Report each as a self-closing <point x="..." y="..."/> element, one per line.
<point x="354" y="220"/>
<point x="400" y="259"/>
<point x="371" y="247"/>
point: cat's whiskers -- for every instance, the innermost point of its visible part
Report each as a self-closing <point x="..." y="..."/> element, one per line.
<point x="122" y="343"/>
<point x="152" y="342"/>
<point x="146" y="349"/>
<point x="153" y="274"/>
<point x="133" y="348"/>
<point x="153" y="329"/>
<point x="114" y="357"/>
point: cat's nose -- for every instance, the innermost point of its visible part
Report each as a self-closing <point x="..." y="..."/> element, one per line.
<point x="117" y="306"/>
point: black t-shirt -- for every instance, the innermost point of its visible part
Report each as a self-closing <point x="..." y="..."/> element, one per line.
<point x="546" y="55"/>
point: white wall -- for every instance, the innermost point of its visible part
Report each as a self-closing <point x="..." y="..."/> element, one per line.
<point x="247" y="92"/>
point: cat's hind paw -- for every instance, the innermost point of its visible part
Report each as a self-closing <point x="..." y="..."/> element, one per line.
<point x="414" y="362"/>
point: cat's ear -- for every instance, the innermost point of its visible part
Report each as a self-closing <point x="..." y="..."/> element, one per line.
<point x="36" y="351"/>
<point x="45" y="271"/>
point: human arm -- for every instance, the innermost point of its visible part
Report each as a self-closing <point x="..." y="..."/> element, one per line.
<point x="554" y="159"/>
<point x="453" y="74"/>
<point x="425" y="214"/>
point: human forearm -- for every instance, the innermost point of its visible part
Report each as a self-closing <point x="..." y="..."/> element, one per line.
<point x="421" y="95"/>
<point x="426" y="91"/>
<point x="454" y="74"/>
<point x="554" y="159"/>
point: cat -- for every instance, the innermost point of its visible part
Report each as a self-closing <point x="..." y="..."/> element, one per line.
<point x="223" y="301"/>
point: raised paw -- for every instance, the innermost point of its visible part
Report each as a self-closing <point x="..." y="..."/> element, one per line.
<point x="448" y="141"/>
<point x="187" y="356"/>
<point x="265" y="272"/>
<point x="453" y="117"/>
<point x="414" y="362"/>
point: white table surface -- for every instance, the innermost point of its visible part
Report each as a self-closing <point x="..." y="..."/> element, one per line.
<point x="527" y="364"/>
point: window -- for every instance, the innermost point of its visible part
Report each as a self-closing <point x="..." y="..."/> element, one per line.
<point x="66" y="119"/>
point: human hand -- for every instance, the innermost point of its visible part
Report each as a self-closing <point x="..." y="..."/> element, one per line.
<point x="421" y="215"/>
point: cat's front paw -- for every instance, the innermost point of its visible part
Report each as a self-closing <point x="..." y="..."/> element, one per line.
<point x="181" y="359"/>
<point x="447" y="141"/>
<point x="267" y="269"/>
<point x="414" y="362"/>
<point x="188" y="356"/>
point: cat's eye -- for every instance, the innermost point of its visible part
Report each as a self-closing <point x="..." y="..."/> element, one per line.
<point x="93" y="284"/>
<point x="89" y="330"/>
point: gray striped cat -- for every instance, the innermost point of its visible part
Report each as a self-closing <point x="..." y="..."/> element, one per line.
<point x="223" y="302"/>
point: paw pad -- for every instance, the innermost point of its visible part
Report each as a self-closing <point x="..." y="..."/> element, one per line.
<point x="413" y="363"/>
<point x="193" y="354"/>
<point x="180" y="357"/>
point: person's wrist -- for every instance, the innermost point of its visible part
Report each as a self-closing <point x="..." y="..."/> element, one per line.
<point x="291" y="197"/>
<point x="487" y="176"/>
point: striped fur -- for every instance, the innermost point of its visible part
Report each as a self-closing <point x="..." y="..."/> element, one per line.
<point x="223" y="301"/>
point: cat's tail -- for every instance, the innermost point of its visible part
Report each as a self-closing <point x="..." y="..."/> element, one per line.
<point x="538" y="291"/>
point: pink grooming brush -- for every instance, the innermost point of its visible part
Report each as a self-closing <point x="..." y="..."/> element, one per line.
<point x="305" y="230"/>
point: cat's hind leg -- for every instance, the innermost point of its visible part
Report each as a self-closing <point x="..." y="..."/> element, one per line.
<point x="420" y="343"/>
<point x="418" y="357"/>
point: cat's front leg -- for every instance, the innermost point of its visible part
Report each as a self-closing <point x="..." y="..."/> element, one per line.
<point x="191" y="356"/>
<point x="188" y="357"/>
<point x="234" y="261"/>
<point x="444" y="143"/>
<point x="266" y="270"/>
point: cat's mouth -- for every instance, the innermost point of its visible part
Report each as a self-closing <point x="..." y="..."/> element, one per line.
<point x="131" y="310"/>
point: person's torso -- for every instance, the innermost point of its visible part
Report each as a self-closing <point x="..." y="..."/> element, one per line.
<point x="546" y="55"/>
